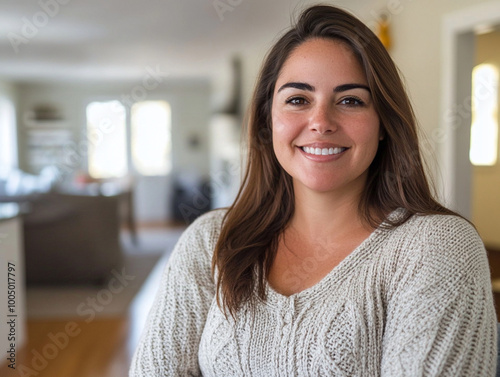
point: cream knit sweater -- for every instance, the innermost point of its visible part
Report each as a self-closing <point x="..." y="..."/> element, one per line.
<point x="411" y="301"/>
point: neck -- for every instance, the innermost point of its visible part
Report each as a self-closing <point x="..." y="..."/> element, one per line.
<point x="325" y="215"/>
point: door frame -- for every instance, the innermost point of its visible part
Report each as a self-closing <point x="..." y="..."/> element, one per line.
<point x="457" y="57"/>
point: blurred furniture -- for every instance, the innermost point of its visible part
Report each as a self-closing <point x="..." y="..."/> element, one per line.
<point x="123" y="188"/>
<point x="71" y="239"/>
<point x="71" y="228"/>
<point x="21" y="187"/>
<point x="192" y="197"/>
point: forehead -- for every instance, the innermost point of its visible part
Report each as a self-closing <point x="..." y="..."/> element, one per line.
<point x="322" y="58"/>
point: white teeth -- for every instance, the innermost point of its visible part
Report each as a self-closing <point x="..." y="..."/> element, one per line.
<point x="323" y="151"/>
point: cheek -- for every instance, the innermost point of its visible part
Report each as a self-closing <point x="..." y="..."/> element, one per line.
<point x="275" y="133"/>
<point x="281" y="140"/>
<point x="280" y="130"/>
<point x="373" y="143"/>
<point x="278" y="141"/>
<point x="286" y="127"/>
<point x="370" y="133"/>
<point x="277" y="123"/>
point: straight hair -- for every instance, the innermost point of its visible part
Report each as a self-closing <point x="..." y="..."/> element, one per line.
<point x="252" y="225"/>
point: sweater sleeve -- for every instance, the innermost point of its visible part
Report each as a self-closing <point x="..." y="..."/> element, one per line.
<point x="170" y="340"/>
<point x="440" y="316"/>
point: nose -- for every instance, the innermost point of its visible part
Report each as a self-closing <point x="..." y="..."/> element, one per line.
<point x="322" y="120"/>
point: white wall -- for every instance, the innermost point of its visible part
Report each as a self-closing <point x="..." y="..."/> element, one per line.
<point x="189" y="101"/>
<point x="8" y="131"/>
<point x="8" y="90"/>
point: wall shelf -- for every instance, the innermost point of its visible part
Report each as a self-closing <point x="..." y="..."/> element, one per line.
<point x="48" y="142"/>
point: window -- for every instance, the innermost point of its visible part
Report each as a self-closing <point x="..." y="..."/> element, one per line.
<point x="484" y="128"/>
<point x="107" y="136"/>
<point x="8" y="139"/>
<point x="151" y="141"/>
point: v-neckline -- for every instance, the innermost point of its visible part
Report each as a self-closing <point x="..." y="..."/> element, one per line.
<point x="345" y="265"/>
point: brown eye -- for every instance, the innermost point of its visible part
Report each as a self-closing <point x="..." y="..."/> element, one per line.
<point x="352" y="101"/>
<point x="296" y="101"/>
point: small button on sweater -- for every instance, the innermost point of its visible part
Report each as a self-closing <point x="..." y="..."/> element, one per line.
<point x="414" y="300"/>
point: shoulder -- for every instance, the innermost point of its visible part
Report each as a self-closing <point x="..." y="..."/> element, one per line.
<point x="198" y="241"/>
<point x="440" y="245"/>
<point x="443" y="231"/>
<point x="207" y="226"/>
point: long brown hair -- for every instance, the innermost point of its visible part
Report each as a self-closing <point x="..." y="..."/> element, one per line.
<point x="264" y="205"/>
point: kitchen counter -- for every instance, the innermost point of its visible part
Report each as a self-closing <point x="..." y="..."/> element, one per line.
<point x="9" y="211"/>
<point x="12" y="279"/>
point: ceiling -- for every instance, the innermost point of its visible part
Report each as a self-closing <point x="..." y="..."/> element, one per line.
<point x="120" y="39"/>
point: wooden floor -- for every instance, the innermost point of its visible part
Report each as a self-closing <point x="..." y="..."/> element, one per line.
<point x="97" y="349"/>
<point x="100" y="348"/>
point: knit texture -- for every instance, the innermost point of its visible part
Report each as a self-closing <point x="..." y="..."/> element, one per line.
<point x="411" y="301"/>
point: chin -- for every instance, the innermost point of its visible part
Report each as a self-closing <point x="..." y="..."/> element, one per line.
<point x="320" y="186"/>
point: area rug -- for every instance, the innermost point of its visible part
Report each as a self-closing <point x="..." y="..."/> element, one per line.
<point x="111" y="299"/>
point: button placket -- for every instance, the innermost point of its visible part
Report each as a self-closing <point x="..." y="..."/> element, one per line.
<point x="288" y="321"/>
<point x="284" y="330"/>
<point x="287" y="316"/>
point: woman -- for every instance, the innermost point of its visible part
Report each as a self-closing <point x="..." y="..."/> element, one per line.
<point x="334" y="260"/>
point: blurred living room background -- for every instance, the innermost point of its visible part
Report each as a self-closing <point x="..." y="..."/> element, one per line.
<point x="120" y="123"/>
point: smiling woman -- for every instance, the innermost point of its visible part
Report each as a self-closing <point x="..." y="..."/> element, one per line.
<point x="325" y="127"/>
<point x="335" y="259"/>
<point x="326" y="133"/>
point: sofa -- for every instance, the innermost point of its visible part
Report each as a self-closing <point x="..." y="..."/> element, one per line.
<point x="70" y="239"/>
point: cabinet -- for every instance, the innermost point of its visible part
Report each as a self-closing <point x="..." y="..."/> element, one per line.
<point x="12" y="286"/>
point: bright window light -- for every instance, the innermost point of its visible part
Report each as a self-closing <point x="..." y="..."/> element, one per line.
<point x="484" y="128"/>
<point x="107" y="137"/>
<point x="8" y="139"/>
<point x="151" y="137"/>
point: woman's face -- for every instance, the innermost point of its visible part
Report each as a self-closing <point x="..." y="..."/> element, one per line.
<point x="325" y="128"/>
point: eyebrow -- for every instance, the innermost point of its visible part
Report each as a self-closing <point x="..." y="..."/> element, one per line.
<point x="297" y="85"/>
<point x="310" y="88"/>
<point x="345" y="87"/>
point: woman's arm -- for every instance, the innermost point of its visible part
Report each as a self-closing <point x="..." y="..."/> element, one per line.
<point x="169" y="344"/>
<point x="440" y="318"/>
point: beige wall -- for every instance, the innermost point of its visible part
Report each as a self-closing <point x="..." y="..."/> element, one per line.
<point x="486" y="179"/>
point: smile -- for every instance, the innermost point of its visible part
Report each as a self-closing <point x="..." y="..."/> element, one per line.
<point x="323" y="151"/>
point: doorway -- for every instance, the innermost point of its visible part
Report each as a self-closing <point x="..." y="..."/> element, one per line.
<point x="458" y="60"/>
<point x="485" y="177"/>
